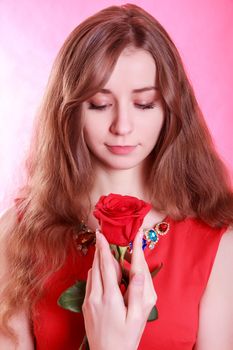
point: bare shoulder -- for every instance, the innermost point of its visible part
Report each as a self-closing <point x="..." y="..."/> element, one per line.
<point x="222" y="267"/>
<point x="19" y="322"/>
<point x="216" y="308"/>
<point x="7" y="219"/>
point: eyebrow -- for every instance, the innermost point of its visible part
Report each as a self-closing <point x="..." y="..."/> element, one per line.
<point x="147" y="88"/>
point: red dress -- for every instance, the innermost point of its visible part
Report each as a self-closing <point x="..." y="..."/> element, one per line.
<point x="187" y="253"/>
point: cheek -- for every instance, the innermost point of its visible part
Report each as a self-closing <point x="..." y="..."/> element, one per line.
<point x="93" y="126"/>
<point x="152" y="127"/>
<point x="93" y="134"/>
<point x="88" y="134"/>
<point x="91" y="129"/>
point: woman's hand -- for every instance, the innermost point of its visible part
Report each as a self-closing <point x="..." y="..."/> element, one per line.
<point x="110" y="322"/>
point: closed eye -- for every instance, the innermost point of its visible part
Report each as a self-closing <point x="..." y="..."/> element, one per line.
<point x="146" y="106"/>
<point x="103" y="107"/>
<point x="98" y="107"/>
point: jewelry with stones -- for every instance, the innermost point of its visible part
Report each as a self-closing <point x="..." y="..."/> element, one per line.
<point x="151" y="235"/>
<point x="85" y="237"/>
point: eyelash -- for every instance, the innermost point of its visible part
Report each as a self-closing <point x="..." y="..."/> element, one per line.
<point x="102" y="108"/>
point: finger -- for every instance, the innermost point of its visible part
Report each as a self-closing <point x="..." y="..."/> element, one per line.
<point x="88" y="285"/>
<point x="107" y="267"/>
<point x="96" y="278"/>
<point x="138" y="262"/>
<point x="117" y="269"/>
<point x="141" y="296"/>
<point x="138" y="285"/>
<point x="135" y="297"/>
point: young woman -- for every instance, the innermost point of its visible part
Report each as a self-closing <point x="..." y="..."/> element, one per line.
<point x="119" y="116"/>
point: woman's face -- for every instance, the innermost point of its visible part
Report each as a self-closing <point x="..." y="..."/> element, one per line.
<point x="122" y="121"/>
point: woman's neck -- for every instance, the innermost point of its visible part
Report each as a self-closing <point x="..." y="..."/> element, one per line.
<point x="130" y="182"/>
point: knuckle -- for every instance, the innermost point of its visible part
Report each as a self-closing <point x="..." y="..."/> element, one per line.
<point x="154" y="298"/>
<point x="90" y="303"/>
<point x="151" y="301"/>
<point x="93" y="300"/>
<point x="84" y="307"/>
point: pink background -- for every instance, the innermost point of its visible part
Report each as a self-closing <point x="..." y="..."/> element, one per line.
<point x="31" y="32"/>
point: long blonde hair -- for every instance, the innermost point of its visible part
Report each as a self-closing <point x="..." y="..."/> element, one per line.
<point x="187" y="177"/>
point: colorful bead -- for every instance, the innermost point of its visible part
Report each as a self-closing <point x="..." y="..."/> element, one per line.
<point x="130" y="247"/>
<point x="151" y="245"/>
<point x="152" y="235"/>
<point x="162" y="228"/>
<point x="83" y="238"/>
<point x="144" y="243"/>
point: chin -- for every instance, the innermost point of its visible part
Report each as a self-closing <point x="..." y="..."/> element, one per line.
<point x="123" y="164"/>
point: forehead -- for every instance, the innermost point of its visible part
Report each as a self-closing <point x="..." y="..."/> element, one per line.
<point x="135" y="67"/>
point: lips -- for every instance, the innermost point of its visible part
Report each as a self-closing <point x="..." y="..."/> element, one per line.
<point x="121" y="149"/>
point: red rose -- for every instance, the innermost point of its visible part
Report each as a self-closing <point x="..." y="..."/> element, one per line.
<point x="120" y="217"/>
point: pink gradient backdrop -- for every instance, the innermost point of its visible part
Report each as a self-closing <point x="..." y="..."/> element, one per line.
<point x="31" y="33"/>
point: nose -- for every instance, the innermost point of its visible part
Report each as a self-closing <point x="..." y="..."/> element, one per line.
<point x="122" y="123"/>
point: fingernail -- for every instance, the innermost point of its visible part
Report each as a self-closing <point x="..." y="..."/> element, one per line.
<point x="98" y="238"/>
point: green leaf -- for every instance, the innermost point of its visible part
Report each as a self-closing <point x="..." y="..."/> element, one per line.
<point x="153" y="314"/>
<point x="73" y="297"/>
